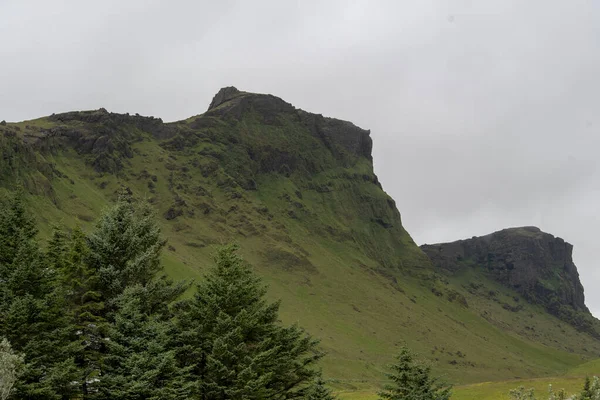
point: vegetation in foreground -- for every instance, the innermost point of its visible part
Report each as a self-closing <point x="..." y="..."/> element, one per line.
<point x="571" y="385"/>
<point x="93" y="317"/>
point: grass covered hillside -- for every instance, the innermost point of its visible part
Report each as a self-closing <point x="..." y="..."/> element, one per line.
<point x="297" y="191"/>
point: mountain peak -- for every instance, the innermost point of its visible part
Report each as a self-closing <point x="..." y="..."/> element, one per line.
<point x="337" y="135"/>
<point x="223" y="95"/>
<point x="536" y="264"/>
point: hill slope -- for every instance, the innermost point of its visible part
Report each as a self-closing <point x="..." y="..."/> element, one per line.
<point x="535" y="264"/>
<point x="298" y="192"/>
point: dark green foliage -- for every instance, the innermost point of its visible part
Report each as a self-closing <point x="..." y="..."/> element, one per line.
<point x="125" y="248"/>
<point x="121" y="254"/>
<point x="16" y="227"/>
<point x="411" y="380"/>
<point x="36" y="323"/>
<point x="79" y="286"/>
<point x="95" y="320"/>
<point x="139" y="363"/>
<point x="318" y="391"/>
<point x="230" y="337"/>
<point x="587" y="393"/>
<point x="31" y="312"/>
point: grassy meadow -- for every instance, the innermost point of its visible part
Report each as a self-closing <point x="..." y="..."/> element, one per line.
<point x="572" y="382"/>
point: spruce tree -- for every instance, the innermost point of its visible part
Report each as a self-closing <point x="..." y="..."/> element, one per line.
<point x="56" y="252"/>
<point x="125" y="248"/>
<point x="231" y="338"/>
<point x="411" y="380"/>
<point x="139" y="364"/>
<point x="130" y="297"/>
<point x="32" y="313"/>
<point x="17" y="229"/>
<point x="79" y="285"/>
<point x="318" y="391"/>
<point x="16" y="225"/>
<point x="586" y="393"/>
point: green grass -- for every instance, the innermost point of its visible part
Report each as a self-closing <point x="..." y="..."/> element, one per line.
<point x="490" y="390"/>
<point x="325" y="238"/>
<point x="572" y="382"/>
<point x="590" y="368"/>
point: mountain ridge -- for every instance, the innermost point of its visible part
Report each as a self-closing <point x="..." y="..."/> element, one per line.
<point x="298" y="192"/>
<point x="536" y="264"/>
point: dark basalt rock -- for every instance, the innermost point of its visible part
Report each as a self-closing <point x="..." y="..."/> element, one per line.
<point x="110" y="120"/>
<point x="225" y="94"/>
<point x="536" y="264"/>
<point x="231" y="103"/>
<point x="342" y="138"/>
<point x="339" y="136"/>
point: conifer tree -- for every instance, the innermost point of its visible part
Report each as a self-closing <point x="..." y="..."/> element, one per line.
<point x="411" y="380"/>
<point x="79" y="285"/>
<point x="31" y="313"/>
<point x="125" y="248"/>
<point x="591" y="390"/>
<point x="318" y="391"/>
<point x="56" y="252"/>
<point x="231" y="338"/>
<point x="15" y="226"/>
<point x="139" y="364"/>
<point x="586" y="393"/>
<point x="17" y="229"/>
<point x="130" y="298"/>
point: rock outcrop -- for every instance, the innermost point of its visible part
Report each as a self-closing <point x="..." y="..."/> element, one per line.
<point x="342" y="138"/>
<point x="536" y="264"/>
<point x="223" y="95"/>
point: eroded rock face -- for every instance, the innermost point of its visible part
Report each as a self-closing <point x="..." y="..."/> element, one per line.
<point x="339" y="135"/>
<point x="342" y="138"/>
<point x="534" y="263"/>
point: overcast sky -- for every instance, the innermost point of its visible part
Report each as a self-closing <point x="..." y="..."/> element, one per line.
<point x="484" y="114"/>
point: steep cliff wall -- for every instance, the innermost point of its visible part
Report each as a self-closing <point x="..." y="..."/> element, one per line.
<point x="536" y="264"/>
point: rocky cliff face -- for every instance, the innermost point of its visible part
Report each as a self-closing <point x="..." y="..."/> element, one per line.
<point x="318" y="170"/>
<point x="342" y="138"/>
<point x="536" y="264"/>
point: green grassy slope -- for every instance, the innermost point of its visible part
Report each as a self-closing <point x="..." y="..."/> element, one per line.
<point x="298" y="193"/>
<point x="572" y="382"/>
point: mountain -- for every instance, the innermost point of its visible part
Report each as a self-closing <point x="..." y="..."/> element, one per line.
<point x="533" y="263"/>
<point x="297" y="191"/>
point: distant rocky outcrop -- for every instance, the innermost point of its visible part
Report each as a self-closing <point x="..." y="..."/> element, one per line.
<point x="536" y="264"/>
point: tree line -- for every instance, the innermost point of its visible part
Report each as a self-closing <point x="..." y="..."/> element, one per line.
<point x="93" y="316"/>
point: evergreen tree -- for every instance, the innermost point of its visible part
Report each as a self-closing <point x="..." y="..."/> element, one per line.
<point x="318" y="391"/>
<point x="33" y="320"/>
<point x="125" y="248"/>
<point x="125" y="301"/>
<point x="591" y="390"/>
<point x="56" y="252"/>
<point x="231" y="338"/>
<point x="411" y="380"/>
<point x="139" y="364"/>
<point x="17" y="229"/>
<point x="79" y="284"/>
<point x="16" y="226"/>
<point x="586" y="393"/>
